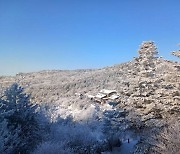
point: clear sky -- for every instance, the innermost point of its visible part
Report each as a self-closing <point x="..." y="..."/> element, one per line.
<point x="74" y="34"/>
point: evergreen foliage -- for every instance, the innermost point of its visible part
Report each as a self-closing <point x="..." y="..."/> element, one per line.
<point x="18" y="123"/>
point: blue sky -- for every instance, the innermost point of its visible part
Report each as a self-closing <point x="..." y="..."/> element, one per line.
<point x="73" y="34"/>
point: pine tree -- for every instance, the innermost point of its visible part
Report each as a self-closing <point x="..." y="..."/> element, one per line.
<point x="18" y="123"/>
<point x="147" y="69"/>
<point x="147" y="58"/>
<point x="176" y="53"/>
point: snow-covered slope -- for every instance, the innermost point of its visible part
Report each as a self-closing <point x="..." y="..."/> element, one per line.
<point x="149" y="89"/>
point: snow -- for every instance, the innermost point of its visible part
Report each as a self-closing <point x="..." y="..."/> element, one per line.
<point x="90" y="96"/>
<point x="113" y="97"/>
<point x="99" y="95"/>
<point x="106" y="91"/>
<point x="125" y="148"/>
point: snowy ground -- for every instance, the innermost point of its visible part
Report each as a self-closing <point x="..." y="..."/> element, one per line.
<point x="126" y="148"/>
<point x="97" y="118"/>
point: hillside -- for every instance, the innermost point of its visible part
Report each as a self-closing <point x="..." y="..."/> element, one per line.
<point x="129" y="79"/>
<point x="148" y="86"/>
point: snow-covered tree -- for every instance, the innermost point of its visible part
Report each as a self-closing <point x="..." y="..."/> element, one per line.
<point x="176" y="53"/>
<point x="148" y="49"/>
<point x="146" y="65"/>
<point x="167" y="141"/>
<point x="147" y="58"/>
<point x="18" y="123"/>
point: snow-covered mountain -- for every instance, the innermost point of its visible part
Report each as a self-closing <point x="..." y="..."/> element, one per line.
<point x="148" y="89"/>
